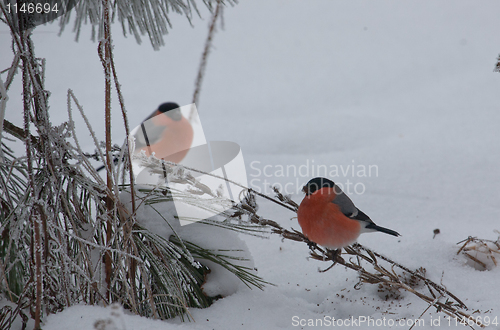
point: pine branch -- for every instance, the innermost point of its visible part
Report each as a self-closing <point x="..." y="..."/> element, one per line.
<point x="136" y="17"/>
<point x="57" y="225"/>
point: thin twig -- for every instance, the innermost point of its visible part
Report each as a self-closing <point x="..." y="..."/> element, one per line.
<point x="104" y="51"/>
<point x="250" y="190"/>
<point x="204" y="57"/>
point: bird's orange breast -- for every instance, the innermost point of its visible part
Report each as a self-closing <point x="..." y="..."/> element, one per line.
<point x="175" y="141"/>
<point x="323" y="222"/>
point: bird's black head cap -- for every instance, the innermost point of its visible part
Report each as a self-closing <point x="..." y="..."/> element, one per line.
<point x="171" y="109"/>
<point x="316" y="184"/>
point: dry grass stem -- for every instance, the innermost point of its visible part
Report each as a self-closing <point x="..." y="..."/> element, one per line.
<point x="482" y="253"/>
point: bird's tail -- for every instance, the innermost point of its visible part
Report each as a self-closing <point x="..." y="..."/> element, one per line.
<point x="382" y="229"/>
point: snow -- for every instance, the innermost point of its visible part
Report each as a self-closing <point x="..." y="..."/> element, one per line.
<point x="406" y="86"/>
<point x="154" y="218"/>
<point x="219" y="281"/>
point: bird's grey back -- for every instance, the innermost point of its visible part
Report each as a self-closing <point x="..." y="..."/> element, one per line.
<point x="345" y="203"/>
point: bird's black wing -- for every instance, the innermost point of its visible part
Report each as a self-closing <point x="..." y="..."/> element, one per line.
<point x="345" y="204"/>
<point x="361" y="216"/>
<point x="371" y="226"/>
<point x="348" y="208"/>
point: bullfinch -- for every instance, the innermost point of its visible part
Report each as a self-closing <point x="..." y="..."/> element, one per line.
<point x="166" y="133"/>
<point x="329" y="218"/>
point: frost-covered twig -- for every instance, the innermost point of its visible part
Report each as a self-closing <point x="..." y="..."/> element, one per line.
<point x="89" y="167"/>
<point x="156" y="166"/>
<point x="125" y="125"/>
<point x="3" y="102"/>
<point x="104" y="51"/>
<point x="12" y="70"/>
<point x="204" y="57"/>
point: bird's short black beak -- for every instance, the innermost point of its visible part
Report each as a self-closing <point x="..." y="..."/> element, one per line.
<point x="305" y="190"/>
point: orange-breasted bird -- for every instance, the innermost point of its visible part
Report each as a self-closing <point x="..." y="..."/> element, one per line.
<point x="166" y="133"/>
<point x="329" y="218"/>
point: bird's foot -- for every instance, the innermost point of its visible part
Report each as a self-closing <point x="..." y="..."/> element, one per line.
<point x="312" y="245"/>
<point x="333" y="255"/>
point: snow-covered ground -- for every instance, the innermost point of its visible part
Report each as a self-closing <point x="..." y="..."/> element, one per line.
<point x="404" y="90"/>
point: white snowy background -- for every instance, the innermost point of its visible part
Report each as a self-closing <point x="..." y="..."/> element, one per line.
<point x="406" y="86"/>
